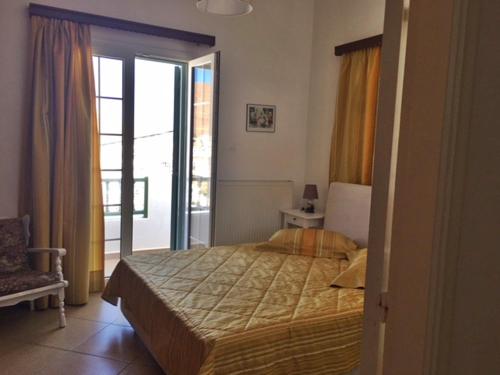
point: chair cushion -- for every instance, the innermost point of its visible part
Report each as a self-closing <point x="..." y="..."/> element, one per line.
<point x="11" y="283"/>
<point x="13" y="253"/>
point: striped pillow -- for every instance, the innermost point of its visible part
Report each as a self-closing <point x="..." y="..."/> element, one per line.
<point x="354" y="276"/>
<point x="312" y="242"/>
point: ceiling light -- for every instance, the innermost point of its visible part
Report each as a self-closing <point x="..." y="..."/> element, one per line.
<point x="225" y="7"/>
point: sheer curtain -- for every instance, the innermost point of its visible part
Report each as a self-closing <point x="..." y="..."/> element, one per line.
<point x="62" y="183"/>
<point x="351" y="155"/>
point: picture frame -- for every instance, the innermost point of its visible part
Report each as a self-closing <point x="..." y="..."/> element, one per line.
<point x="261" y="118"/>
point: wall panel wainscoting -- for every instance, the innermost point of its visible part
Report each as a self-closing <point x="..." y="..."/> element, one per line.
<point x="249" y="210"/>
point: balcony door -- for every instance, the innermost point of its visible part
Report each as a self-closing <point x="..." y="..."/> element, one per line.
<point x="204" y="83"/>
<point x="158" y="121"/>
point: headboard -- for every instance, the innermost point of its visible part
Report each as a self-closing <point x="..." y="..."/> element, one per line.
<point x="348" y="211"/>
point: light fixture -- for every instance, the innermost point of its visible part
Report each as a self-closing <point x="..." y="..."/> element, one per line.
<point x="225" y="7"/>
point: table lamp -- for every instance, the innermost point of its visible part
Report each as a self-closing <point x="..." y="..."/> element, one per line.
<point x="310" y="194"/>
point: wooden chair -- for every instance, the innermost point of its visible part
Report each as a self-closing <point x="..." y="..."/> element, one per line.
<point x="18" y="281"/>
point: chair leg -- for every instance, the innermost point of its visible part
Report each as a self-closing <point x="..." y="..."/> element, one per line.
<point x="32" y="305"/>
<point x="62" y="316"/>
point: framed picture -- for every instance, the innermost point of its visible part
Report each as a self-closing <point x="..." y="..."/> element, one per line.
<point x="261" y="118"/>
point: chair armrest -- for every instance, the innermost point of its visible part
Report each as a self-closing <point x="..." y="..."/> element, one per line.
<point x="57" y="253"/>
<point x="54" y="251"/>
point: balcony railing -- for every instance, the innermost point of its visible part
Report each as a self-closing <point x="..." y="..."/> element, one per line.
<point x="111" y="192"/>
<point x="200" y="200"/>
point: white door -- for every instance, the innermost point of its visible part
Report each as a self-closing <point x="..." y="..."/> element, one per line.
<point x="384" y="179"/>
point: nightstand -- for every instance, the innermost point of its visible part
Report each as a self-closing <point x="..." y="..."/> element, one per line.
<point x="299" y="218"/>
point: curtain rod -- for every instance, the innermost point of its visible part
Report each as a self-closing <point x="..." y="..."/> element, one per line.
<point x="374" y="41"/>
<point x="120" y="24"/>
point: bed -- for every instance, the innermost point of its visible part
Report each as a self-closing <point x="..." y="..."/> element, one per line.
<point x="239" y="310"/>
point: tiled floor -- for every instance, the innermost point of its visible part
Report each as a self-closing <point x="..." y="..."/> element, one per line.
<point x="96" y="340"/>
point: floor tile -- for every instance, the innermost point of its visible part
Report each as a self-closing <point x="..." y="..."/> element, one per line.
<point x="65" y="363"/>
<point x="8" y="346"/>
<point x="97" y="340"/>
<point x="141" y="369"/>
<point x="114" y="341"/>
<point x="27" y="359"/>
<point x="96" y="309"/>
<point x="121" y="320"/>
<point x="77" y="331"/>
<point x="25" y="324"/>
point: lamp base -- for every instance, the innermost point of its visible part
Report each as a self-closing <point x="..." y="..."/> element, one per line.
<point x="309" y="208"/>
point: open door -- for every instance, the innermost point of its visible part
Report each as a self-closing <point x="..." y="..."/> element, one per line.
<point x="393" y="64"/>
<point x="202" y="166"/>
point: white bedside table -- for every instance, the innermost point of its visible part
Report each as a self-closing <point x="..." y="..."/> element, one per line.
<point x="301" y="219"/>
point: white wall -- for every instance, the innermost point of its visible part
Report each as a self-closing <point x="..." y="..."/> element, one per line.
<point x="265" y="59"/>
<point x="335" y="22"/>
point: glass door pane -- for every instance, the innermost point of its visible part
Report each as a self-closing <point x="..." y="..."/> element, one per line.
<point x="108" y="73"/>
<point x="154" y="111"/>
<point x="204" y="110"/>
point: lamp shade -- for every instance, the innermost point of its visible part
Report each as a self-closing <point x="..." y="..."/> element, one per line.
<point x="310" y="192"/>
<point x="224" y="7"/>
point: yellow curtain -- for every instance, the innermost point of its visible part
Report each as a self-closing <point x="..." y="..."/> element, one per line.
<point x="62" y="182"/>
<point x="351" y="155"/>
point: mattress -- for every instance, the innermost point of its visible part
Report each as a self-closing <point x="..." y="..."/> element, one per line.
<point x="240" y="310"/>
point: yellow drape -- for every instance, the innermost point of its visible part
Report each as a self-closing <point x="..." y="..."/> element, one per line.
<point x="351" y="157"/>
<point x="62" y="183"/>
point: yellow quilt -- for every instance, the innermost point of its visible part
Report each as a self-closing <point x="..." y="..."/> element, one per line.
<point x="238" y="310"/>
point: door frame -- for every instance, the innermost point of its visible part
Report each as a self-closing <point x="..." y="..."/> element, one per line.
<point x="393" y="59"/>
<point x="128" y="53"/>
<point x="213" y="58"/>
<point x="428" y="194"/>
<point x="180" y="149"/>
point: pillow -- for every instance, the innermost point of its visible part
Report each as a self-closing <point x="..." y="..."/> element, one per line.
<point x="354" y="276"/>
<point x="312" y="242"/>
<point x="13" y="253"/>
